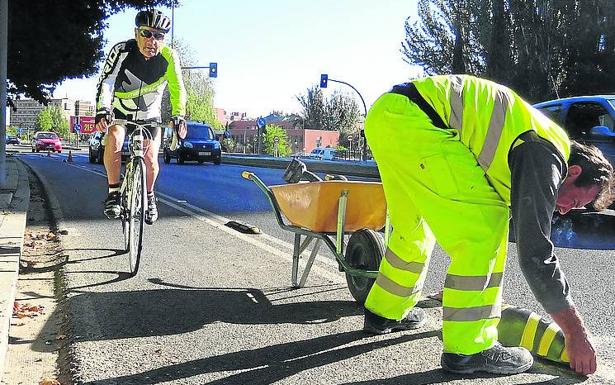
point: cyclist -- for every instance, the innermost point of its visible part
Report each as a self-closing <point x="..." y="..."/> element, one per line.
<point x="130" y="88"/>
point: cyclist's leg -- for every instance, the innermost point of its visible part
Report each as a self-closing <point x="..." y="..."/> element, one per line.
<point x="113" y="152"/>
<point x="151" y="158"/>
<point x="151" y="171"/>
<point x="112" y="159"/>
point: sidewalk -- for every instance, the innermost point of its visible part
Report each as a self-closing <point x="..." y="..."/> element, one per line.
<point x="14" y="202"/>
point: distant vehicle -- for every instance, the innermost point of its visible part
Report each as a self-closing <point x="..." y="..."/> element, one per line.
<point x="586" y="119"/>
<point x="96" y="148"/>
<point x="11" y="139"/>
<point x="46" y="141"/>
<point x="200" y="145"/>
<point x="323" y="153"/>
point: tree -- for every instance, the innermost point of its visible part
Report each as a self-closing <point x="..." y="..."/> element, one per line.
<point x="51" y="118"/>
<point x="541" y="48"/>
<point x="199" y="90"/>
<point x="339" y="112"/>
<point x="66" y="35"/>
<point x="274" y="131"/>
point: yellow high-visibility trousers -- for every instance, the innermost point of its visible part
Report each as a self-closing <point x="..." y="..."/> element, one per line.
<point x="435" y="190"/>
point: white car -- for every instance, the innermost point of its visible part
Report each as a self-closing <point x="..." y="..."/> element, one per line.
<point x="323" y="153"/>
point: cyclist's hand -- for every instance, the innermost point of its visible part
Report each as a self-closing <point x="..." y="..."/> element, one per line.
<point x="179" y="123"/>
<point x="102" y="120"/>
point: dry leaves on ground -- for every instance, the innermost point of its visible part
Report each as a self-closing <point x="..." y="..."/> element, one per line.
<point x="27" y="310"/>
<point x="49" y="381"/>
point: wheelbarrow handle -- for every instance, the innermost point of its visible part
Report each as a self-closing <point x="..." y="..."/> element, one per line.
<point x="247" y="175"/>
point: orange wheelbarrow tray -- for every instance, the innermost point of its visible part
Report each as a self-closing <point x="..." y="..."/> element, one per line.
<point x="325" y="212"/>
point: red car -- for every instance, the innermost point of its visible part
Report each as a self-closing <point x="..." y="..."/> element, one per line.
<point x="46" y="141"/>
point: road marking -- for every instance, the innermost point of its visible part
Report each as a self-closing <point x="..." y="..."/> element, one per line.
<point x="219" y="221"/>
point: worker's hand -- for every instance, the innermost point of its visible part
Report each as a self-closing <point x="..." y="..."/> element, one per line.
<point x="581" y="353"/>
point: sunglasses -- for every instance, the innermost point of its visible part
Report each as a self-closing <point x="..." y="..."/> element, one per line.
<point x="146" y="33"/>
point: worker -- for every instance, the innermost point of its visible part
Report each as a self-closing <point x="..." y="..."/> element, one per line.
<point x="457" y="156"/>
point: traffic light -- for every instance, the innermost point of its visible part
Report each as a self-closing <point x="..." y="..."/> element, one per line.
<point x="324" y="78"/>
<point x="213" y="70"/>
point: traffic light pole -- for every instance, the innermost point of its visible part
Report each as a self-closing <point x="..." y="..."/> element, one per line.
<point x="364" y="150"/>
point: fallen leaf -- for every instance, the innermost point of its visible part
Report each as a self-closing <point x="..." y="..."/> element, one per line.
<point x="49" y="381"/>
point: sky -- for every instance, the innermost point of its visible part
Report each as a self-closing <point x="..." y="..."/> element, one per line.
<point x="270" y="51"/>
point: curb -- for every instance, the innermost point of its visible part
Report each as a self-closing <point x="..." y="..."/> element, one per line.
<point x="12" y="229"/>
<point x="366" y="169"/>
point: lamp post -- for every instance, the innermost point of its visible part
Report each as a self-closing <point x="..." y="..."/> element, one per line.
<point x="324" y="79"/>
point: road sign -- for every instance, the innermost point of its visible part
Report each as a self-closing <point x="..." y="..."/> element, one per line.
<point x="260" y="122"/>
<point x="77" y="127"/>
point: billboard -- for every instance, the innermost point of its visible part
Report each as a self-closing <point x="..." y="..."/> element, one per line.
<point x="86" y="124"/>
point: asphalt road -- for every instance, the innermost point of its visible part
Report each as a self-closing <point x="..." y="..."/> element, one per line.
<point x="211" y="305"/>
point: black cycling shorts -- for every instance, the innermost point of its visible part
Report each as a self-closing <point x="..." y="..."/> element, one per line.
<point x="153" y="126"/>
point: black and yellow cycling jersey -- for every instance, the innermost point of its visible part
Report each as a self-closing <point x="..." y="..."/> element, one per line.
<point x="132" y="86"/>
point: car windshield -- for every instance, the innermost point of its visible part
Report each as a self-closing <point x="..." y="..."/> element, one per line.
<point x="612" y="102"/>
<point x="46" y="135"/>
<point x="198" y="132"/>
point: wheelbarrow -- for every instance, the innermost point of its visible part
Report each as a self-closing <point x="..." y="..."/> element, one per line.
<point x="326" y="212"/>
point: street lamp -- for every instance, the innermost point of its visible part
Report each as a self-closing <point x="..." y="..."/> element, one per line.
<point x="324" y="79"/>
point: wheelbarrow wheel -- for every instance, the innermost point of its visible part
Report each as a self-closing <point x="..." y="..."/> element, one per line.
<point x="364" y="251"/>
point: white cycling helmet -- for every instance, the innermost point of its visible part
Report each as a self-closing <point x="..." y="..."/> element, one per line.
<point x="153" y="18"/>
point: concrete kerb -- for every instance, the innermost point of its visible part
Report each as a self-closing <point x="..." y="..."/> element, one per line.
<point x="14" y="206"/>
<point x="354" y="168"/>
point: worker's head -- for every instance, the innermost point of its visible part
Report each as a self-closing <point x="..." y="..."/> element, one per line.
<point x="151" y="28"/>
<point x="590" y="180"/>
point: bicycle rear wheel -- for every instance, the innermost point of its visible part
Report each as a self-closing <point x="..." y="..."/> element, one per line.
<point x="133" y="228"/>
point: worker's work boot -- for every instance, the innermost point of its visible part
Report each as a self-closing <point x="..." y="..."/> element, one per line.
<point x="497" y="360"/>
<point x="376" y="324"/>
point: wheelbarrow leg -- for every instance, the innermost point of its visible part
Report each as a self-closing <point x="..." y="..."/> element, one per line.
<point x="299" y="248"/>
<point x="310" y="261"/>
<point x="296" y="255"/>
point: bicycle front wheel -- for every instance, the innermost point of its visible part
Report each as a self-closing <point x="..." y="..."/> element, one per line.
<point x="136" y="214"/>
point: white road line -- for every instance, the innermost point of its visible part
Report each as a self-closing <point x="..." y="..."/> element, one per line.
<point x="219" y="221"/>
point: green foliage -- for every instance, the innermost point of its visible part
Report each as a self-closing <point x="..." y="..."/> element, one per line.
<point x="269" y="143"/>
<point x="10" y="130"/>
<point x="339" y="112"/>
<point x="199" y="90"/>
<point x="541" y="48"/>
<point x="66" y="35"/>
<point x="51" y="118"/>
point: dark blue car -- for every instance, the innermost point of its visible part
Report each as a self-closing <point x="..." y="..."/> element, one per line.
<point x="586" y="119"/>
<point x="199" y="145"/>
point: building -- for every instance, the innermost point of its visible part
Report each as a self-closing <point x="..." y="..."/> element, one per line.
<point x="26" y="111"/>
<point x="245" y="134"/>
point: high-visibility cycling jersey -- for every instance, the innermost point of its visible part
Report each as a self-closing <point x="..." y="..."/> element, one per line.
<point x="133" y="86"/>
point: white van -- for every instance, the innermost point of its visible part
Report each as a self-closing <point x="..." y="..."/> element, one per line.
<point x="323" y="153"/>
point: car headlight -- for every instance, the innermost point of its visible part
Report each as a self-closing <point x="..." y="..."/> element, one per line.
<point x="188" y="145"/>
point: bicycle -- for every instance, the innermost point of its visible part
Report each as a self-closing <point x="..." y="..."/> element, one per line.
<point x="133" y="193"/>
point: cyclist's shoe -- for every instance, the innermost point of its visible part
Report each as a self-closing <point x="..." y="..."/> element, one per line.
<point x="112" y="205"/>
<point x="151" y="214"/>
<point x="375" y="324"/>
<point x="496" y="360"/>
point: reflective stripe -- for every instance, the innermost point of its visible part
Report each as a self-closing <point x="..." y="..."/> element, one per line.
<point x="456" y="98"/>
<point x="398" y="263"/>
<point x="547" y="339"/>
<point x="393" y="287"/>
<point x="478" y="313"/>
<point x="480" y="282"/>
<point x="564" y="356"/>
<point x="496" y="126"/>
<point x="529" y="332"/>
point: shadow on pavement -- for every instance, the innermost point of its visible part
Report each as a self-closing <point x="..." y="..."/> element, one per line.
<point x="269" y="364"/>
